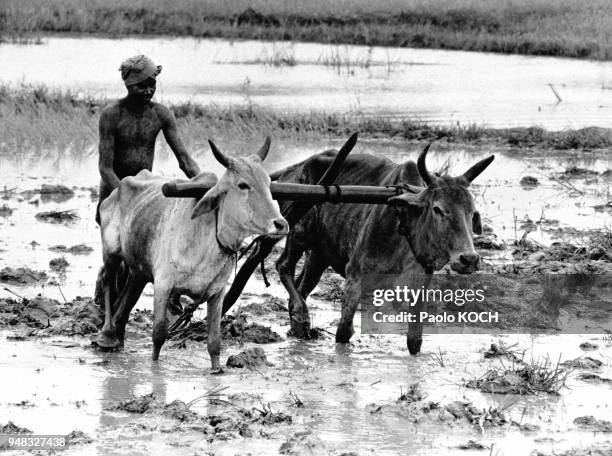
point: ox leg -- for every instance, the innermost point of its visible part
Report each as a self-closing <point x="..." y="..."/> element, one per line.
<point x="129" y="298"/>
<point x="160" y="319"/>
<point x="107" y="338"/>
<point x="311" y="274"/>
<point x="213" y="321"/>
<point x="414" y="339"/>
<point x="298" y="312"/>
<point x="349" y="305"/>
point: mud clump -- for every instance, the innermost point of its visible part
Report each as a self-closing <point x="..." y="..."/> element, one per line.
<point x="499" y="351"/>
<point x="6" y="211"/>
<point x="57" y="216"/>
<point x="302" y="443"/>
<point x="483" y="418"/>
<point x="56" y="193"/>
<point x="12" y="428"/>
<point x="585" y="362"/>
<point x="593" y="378"/>
<point x="412" y="395"/>
<point x="83" y="317"/>
<point x="21" y="276"/>
<point x="268" y="417"/>
<point x="35" y="313"/>
<point x="59" y="264"/>
<point x="253" y="332"/>
<point x="472" y="445"/>
<point x="232" y="327"/>
<point x="488" y="242"/>
<point x="588" y="346"/>
<point x="528" y="379"/>
<point x="573" y="172"/>
<point x="529" y="182"/>
<point x="138" y="405"/>
<point x="250" y="358"/>
<point x="590" y="423"/>
<point x="178" y="410"/>
<point x="270" y="304"/>
<point x="79" y="249"/>
<point x="78" y="438"/>
<point x="47" y="317"/>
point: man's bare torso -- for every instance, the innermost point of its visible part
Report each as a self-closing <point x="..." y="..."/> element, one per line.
<point x="135" y="132"/>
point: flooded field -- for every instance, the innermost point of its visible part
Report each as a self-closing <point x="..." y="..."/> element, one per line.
<point x="339" y="400"/>
<point x="547" y="210"/>
<point x="428" y="85"/>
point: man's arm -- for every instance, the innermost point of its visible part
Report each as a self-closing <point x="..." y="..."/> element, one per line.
<point x="186" y="163"/>
<point x="107" y="150"/>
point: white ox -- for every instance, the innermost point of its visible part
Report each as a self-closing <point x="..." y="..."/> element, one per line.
<point x="184" y="247"/>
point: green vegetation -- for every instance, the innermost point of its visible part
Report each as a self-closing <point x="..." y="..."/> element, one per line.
<point x="33" y="118"/>
<point x="540" y="27"/>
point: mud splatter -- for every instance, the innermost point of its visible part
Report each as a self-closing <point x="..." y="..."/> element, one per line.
<point x="251" y="358"/>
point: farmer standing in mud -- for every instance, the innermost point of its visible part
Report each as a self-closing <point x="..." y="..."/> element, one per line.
<point x="128" y="130"/>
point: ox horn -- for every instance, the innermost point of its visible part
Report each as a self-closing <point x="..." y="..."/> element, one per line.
<point x="219" y="155"/>
<point x="263" y="152"/>
<point x="478" y="168"/>
<point x="427" y="178"/>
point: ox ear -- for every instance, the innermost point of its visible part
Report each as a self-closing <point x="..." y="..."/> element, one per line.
<point x="476" y="223"/>
<point x="406" y="202"/>
<point x="207" y="203"/>
<point x="407" y="206"/>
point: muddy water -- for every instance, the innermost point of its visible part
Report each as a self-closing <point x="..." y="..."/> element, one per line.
<point x="494" y="90"/>
<point x="340" y="387"/>
<point x="499" y="196"/>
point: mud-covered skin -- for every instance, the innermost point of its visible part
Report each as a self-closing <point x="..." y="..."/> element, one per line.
<point x="128" y="130"/>
<point x="417" y="233"/>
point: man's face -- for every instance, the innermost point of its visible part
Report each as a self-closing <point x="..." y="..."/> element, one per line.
<point x="143" y="91"/>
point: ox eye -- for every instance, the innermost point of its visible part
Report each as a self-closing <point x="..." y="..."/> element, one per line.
<point x="438" y="211"/>
<point x="243" y="186"/>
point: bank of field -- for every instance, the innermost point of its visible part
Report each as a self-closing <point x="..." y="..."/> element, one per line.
<point x="33" y="118"/>
<point x="540" y="27"/>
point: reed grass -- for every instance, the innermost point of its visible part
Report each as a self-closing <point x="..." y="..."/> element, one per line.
<point x="541" y="27"/>
<point x="33" y="118"/>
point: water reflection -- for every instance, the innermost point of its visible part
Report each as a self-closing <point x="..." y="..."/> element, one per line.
<point x="430" y="85"/>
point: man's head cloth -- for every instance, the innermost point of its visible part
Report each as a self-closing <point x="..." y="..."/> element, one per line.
<point x="137" y="69"/>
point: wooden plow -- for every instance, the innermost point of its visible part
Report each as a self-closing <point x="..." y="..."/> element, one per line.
<point x="304" y="197"/>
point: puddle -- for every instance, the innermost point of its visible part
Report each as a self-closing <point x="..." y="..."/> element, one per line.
<point x="493" y="90"/>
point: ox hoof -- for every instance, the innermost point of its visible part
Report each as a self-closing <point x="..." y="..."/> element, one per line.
<point x="300" y="330"/>
<point x="217" y="371"/>
<point x="414" y="346"/>
<point x="105" y="342"/>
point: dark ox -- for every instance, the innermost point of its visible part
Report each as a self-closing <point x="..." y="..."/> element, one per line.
<point x="417" y="232"/>
<point x="183" y="246"/>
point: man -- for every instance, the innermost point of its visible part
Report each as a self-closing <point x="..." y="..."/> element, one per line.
<point x="128" y="130"/>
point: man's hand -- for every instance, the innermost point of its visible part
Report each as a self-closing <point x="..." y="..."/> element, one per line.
<point x="186" y="163"/>
<point x="107" y="149"/>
